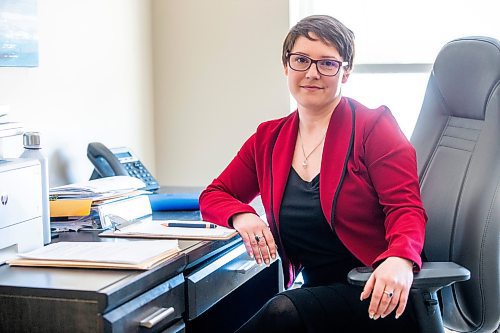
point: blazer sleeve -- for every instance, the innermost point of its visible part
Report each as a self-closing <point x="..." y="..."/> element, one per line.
<point x="392" y="167"/>
<point x="233" y="189"/>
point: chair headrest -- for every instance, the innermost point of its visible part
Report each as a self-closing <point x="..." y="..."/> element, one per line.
<point x="466" y="70"/>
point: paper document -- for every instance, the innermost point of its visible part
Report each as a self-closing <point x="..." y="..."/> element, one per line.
<point x="8" y="126"/>
<point x="10" y="129"/>
<point x="149" y="228"/>
<point x="73" y="224"/>
<point x="128" y="255"/>
<point x="98" y="188"/>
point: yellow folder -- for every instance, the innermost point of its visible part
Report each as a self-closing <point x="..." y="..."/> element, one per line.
<point x="70" y="207"/>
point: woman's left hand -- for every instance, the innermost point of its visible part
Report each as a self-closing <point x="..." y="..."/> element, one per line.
<point x="389" y="286"/>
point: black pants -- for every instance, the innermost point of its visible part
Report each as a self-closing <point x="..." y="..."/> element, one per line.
<point x="331" y="308"/>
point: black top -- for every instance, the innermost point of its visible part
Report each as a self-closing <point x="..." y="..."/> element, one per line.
<point x="307" y="236"/>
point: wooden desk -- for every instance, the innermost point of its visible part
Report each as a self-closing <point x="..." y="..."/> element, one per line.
<point x="199" y="290"/>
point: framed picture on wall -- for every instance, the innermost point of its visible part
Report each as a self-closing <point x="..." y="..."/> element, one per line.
<point x="18" y="33"/>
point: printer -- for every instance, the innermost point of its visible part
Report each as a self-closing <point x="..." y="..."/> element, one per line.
<point x="21" y="228"/>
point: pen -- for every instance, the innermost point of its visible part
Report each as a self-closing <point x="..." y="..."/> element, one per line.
<point x="189" y="225"/>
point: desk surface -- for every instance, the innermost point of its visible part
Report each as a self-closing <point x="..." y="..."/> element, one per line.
<point x="109" y="287"/>
<point x="35" y="297"/>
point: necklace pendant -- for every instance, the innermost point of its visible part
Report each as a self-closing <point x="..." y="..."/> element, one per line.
<point x="304" y="164"/>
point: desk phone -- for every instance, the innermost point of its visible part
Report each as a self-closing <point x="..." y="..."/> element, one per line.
<point x="118" y="161"/>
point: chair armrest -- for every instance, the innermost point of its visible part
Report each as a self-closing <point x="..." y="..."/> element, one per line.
<point x="433" y="275"/>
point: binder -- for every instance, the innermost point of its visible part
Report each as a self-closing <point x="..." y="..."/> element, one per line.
<point x="130" y="208"/>
<point x="174" y="201"/>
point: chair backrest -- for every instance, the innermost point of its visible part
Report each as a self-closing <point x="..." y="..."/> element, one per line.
<point x="457" y="138"/>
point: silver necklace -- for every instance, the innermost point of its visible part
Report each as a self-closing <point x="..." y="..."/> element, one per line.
<point x="306" y="157"/>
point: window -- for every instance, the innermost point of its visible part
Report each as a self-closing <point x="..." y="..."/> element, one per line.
<point x="396" y="43"/>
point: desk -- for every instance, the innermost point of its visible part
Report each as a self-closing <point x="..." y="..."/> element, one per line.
<point x="199" y="289"/>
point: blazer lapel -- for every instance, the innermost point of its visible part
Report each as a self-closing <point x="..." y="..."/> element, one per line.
<point x="337" y="148"/>
<point x="282" y="160"/>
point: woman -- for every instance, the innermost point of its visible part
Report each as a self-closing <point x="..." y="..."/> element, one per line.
<point x="339" y="185"/>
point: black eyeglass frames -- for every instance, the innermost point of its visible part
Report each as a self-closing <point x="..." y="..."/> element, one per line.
<point x="327" y="67"/>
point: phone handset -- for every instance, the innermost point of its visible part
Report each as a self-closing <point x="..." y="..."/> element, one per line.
<point x="106" y="164"/>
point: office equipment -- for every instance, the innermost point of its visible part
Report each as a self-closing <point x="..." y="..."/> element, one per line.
<point x="456" y="139"/>
<point x="142" y="255"/>
<point x="21" y="226"/>
<point x="150" y="228"/>
<point x="118" y="161"/>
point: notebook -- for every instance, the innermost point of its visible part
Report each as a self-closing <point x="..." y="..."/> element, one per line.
<point x="149" y="228"/>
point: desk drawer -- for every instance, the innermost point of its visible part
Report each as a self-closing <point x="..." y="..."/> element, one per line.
<point x="209" y="284"/>
<point x="178" y="327"/>
<point x="151" y="311"/>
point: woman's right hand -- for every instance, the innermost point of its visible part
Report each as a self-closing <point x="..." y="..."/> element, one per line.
<point x="257" y="237"/>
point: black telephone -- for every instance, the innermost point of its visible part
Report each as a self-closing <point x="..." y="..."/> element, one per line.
<point x="118" y="162"/>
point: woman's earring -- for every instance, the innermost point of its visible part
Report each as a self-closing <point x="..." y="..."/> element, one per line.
<point x="345" y="76"/>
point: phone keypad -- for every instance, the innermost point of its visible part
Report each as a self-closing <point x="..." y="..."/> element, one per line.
<point x="136" y="169"/>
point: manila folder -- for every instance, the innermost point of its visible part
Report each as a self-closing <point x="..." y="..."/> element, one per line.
<point x="141" y="255"/>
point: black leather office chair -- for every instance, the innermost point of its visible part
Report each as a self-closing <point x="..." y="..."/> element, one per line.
<point x="457" y="138"/>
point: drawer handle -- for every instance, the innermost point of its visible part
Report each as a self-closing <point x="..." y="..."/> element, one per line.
<point x="243" y="268"/>
<point x="156" y="317"/>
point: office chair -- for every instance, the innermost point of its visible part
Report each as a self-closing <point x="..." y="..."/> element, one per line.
<point x="457" y="139"/>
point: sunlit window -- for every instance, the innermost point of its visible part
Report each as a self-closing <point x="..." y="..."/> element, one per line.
<point x="397" y="42"/>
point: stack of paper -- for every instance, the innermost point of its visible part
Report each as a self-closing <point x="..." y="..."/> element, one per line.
<point x="98" y="189"/>
<point x="61" y="207"/>
<point x="8" y="127"/>
<point x="119" y="255"/>
<point x="95" y="199"/>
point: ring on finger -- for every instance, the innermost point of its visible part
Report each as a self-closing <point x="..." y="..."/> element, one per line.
<point x="258" y="238"/>
<point x="389" y="293"/>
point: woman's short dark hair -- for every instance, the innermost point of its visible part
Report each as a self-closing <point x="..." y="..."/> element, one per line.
<point x="328" y="29"/>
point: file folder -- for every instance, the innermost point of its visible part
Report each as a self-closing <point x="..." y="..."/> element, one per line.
<point x="174" y="201"/>
<point x="70" y="207"/>
<point x="141" y="255"/>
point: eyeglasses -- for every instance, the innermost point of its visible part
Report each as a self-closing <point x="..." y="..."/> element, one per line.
<point x="327" y="67"/>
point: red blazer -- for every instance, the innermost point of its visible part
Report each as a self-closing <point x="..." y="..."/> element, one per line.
<point x="369" y="189"/>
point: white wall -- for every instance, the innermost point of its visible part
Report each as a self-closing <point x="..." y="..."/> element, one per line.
<point x="93" y="82"/>
<point x="216" y="72"/>
<point x="217" y="75"/>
